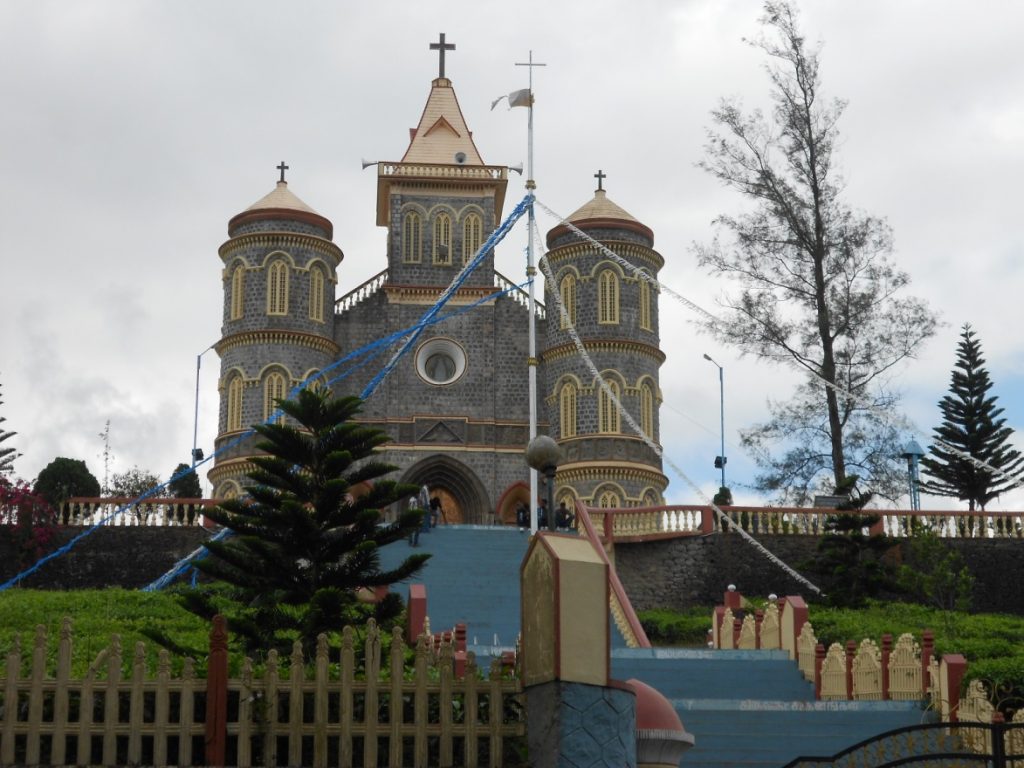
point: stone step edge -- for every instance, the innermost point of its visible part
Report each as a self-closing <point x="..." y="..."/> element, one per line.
<point x="757" y="705"/>
<point x="701" y="653"/>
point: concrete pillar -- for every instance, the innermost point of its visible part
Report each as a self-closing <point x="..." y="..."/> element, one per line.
<point x="576" y="715"/>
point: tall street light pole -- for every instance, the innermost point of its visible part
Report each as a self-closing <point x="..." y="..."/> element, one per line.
<point x="720" y="459"/>
<point x="197" y="455"/>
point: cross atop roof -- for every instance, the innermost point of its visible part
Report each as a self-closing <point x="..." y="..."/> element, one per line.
<point x="441" y="46"/>
<point x="600" y="176"/>
<point x="282" y="168"/>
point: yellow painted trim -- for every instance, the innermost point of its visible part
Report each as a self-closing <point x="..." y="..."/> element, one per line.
<point x="625" y="249"/>
<point x="228" y="249"/>
<point x="605" y="345"/>
<point x="307" y="340"/>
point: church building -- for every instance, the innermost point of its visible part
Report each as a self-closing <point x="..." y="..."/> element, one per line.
<point x="456" y="406"/>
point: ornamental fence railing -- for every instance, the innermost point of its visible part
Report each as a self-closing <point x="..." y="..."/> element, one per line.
<point x="343" y="708"/>
<point x="362" y="292"/>
<point x="905" y="670"/>
<point x="520" y="296"/>
<point x="900" y="670"/>
<point x="125" y="511"/>
<point x="631" y="524"/>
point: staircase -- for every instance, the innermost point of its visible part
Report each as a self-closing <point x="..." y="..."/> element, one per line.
<point x="754" y="708"/>
<point x="745" y="708"/>
<point x="471" y="578"/>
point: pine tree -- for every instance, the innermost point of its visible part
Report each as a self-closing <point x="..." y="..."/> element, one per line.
<point x="971" y="423"/>
<point x="7" y="455"/>
<point x="302" y="546"/>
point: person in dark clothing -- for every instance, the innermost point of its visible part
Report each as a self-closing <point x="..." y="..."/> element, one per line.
<point x="542" y="515"/>
<point x="522" y="515"/>
<point x="565" y="517"/>
<point x="436" y="511"/>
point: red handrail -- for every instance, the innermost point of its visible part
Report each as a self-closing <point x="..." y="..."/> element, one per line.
<point x="583" y="518"/>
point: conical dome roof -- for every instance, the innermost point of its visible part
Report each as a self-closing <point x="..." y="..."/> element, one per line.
<point x="280" y="197"/>
<point x="281" y="203"/>
<point x="602" y="213"/>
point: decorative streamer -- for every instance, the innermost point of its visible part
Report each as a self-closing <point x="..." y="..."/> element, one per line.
<point x="900" y="419"/>
<point x="496" y="237"/>
<point x="375" y="347"/>
<point x="582" y="350"/>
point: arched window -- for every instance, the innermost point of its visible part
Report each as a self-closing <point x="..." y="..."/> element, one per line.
<point x="238" y="292"/>
<point x="607" y="412"/>
<point x="235" y="404"/>
<point x="277" y="288"/>
<point x="316" y="294"/>
<point x="567" y="292"/>
<point x="651" y="499"/>
<point x="645" y="304"/>
<point x="647" y="409"/>
<point x="472" y="237"/>
<point x="442" y="239"/>
<point x="273" y="390"/>
<point x="228" y="490"/>
<point x="608" y="298"/>
<point x="412" y="238"/>
<point x="567" y="409"/>
<point x="608" y="500"/>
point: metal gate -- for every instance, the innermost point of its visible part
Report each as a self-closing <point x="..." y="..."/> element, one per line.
<point x="950" y="745"/>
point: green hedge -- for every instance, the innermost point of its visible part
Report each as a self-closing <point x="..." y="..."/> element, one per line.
<point x="665" y="627"/>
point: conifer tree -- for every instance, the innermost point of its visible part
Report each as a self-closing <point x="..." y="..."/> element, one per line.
<point x="971" y="423"/>
<point x="7" y="454"/>
<point x="302" y="546"/>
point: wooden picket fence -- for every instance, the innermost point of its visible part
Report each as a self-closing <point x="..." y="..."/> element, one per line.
<point x="342" y="711"/>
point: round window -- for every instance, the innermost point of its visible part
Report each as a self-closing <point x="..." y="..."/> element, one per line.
<point x="440" y="361"/>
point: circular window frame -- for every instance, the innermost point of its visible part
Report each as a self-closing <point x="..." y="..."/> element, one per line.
<point x="441" y="346"/>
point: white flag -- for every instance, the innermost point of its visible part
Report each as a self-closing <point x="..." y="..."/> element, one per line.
<point x="515" y="99"/>
<point x="520" y="98"/>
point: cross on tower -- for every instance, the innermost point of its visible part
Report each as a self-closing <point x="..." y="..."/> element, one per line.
<point x="600" y="176"/>
<point x="282" y="168"/>
<point x="441" y="46"/>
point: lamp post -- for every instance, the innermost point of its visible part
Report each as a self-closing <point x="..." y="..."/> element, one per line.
<point x="720" y="459"/>
<point x="544" y="455"/>
<point x="197" y="453"/>
<point x="912" y="452"/>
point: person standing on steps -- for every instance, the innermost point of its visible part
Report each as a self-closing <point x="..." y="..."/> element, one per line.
<point x="564" y="519"/>
<point x="414" y="534"/>
<point x="436" y="511"/>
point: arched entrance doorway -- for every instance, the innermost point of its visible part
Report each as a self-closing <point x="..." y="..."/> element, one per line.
<point x="514" y="495"/>
<point x="463" y="497"/>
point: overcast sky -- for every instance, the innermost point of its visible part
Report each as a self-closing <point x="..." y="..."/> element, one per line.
<point x="132" y="132"/>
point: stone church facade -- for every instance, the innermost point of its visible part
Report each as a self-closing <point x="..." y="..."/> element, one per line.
<point x="456" y="406"/>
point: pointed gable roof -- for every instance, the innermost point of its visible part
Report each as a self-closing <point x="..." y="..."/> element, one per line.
<point x="442" y="132"/>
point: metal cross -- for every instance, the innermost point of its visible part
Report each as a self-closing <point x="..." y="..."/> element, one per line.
<point x="600" y="176"/>
<point x="441" y="46"/>
<point x="282" y="168"/>
<point x="531" y="63"/>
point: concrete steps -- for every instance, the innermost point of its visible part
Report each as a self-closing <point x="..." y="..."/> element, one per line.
<point x="745" y="708"/>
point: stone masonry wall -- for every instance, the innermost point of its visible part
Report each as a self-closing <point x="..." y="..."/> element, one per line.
<point x="679" y="573"/>
<point x="112" y="556"/>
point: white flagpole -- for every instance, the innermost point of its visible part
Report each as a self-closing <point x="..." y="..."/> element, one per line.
<point x="531" y="272"/>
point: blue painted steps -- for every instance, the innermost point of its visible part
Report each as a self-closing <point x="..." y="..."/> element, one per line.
<point x="472" y="577"/>
<point x="753" y="708"/>
<point x="745" y="708"/>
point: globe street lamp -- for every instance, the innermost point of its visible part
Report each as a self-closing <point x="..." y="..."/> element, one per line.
<point x="544" y="455"/>
<point x="720" y="459"/>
